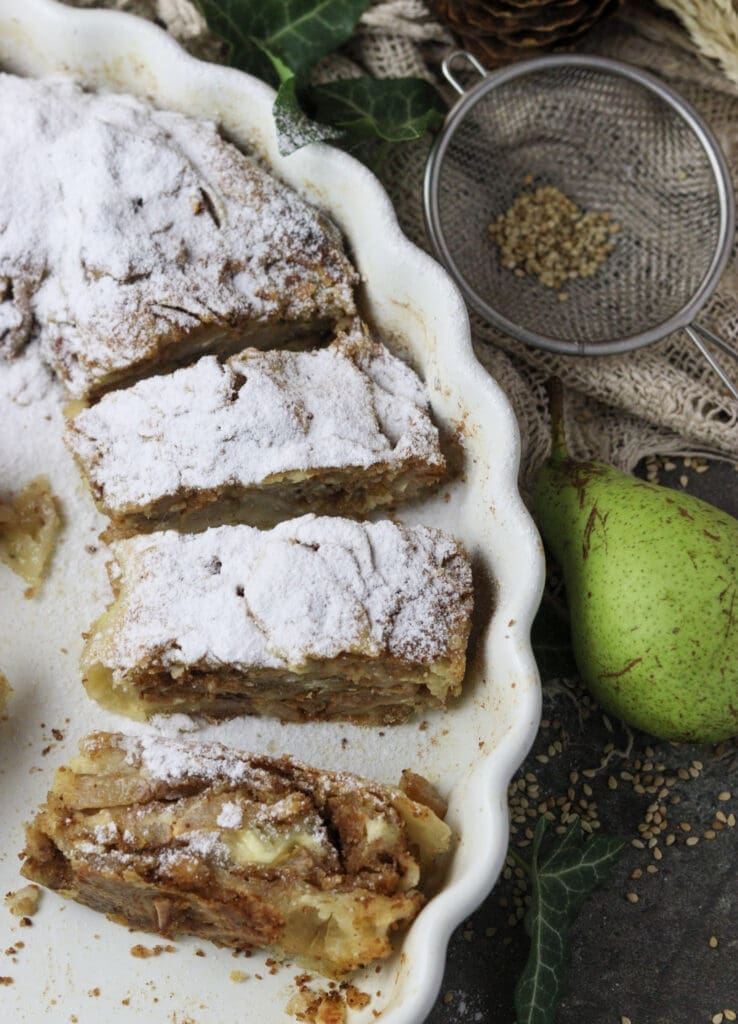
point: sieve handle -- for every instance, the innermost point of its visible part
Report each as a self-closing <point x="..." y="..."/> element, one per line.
<point x="447" y="66"/>
<point x="699" y="336"/>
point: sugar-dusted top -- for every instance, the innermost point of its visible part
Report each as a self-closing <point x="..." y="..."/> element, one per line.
<point x="311" y="588"/>
<point x="122" y="226"/>
<point x="261" y="414"/>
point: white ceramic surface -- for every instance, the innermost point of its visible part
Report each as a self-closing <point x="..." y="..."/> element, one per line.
<point x="469" y="751"/>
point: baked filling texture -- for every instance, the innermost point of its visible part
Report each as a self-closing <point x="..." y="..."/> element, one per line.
<point x="318" y="618"/>
<point x="243" y="850"/>
<point x="148" y="239"/>
<point x="30" y="522"/>
<point x="263" y="437"/>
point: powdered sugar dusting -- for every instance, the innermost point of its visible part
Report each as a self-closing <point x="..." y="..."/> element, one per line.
<point x="311" y="588"/>
<point x="231" y="816"/>
<point x="145" y="228"/>
<point x="353" y="404"/>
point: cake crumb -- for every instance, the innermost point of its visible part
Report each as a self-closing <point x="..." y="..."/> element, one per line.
<point x="144" y="952"/>
<point x="5" y="691"/>
<point x="4" y="980"/>
<point x="355" y="998"/>
<point x="317" y="1006"/>
<point x="239" y="976"/>
<point x="23" y="902"/>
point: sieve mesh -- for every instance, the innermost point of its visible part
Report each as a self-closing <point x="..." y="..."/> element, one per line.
<point x="610" y="144"/>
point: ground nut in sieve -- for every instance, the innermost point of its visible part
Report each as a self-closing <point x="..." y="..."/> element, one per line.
<point x="612" y="138"/>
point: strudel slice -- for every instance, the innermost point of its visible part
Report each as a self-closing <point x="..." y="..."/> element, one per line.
<point x="133" y="238"/>
<point x="319" y="618"/>
<point x="246" y="851"/>
<point x="263" y="437"/>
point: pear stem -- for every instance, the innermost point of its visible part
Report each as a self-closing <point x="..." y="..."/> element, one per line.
<point x="555" y="390"/>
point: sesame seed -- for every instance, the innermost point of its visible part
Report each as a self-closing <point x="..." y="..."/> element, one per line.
<point x="693" y="840"/>
<point x="717" y="1018"/>
<point x="631" y="897"/>
<point x="713" y="942"/>
<point x="725" y="795"/>
<point x="685" y="826"/>
<point x="729" y="1014"/>
<point x="625" y="1020"/>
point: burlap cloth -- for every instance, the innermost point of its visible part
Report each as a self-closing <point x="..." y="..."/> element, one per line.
<point x="663" y="399"/>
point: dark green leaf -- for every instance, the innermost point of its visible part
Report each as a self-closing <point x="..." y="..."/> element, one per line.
<point x="394" y="109"/>
<point x="231" y="20"/>
<point x="299" y="32"/>
<point x="551" y="639"/>
<point x="294" y="127"/>
<point x="560" y="882"/>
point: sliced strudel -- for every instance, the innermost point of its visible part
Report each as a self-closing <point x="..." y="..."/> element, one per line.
<point x="246" y="851"/>
<point x="263" y="437"/>
<point x="319" y="618"/>
<point x="134" y="238"/>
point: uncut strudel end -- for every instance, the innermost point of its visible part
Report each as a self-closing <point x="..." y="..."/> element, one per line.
<point x="138" y="239"/>
<point x="243" y="850"/>
<point x="318" y="618"/>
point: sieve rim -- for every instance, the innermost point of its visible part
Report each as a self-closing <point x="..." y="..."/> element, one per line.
<point x="715" y="156"/>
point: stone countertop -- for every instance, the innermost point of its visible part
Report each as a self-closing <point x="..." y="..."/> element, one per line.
<point x="671" y="957"/>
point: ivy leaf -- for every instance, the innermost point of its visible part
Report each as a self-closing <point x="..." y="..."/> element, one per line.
<point x="560" y="882"/>
<point x="299" y="32"/>
<point x="294" y="128"/>
<point x="393" y="109"/>
<point x="551" y="639"/>
<point x="231" y="20"/>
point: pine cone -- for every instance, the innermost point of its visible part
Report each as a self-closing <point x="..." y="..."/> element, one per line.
<point x="502" y="31"/>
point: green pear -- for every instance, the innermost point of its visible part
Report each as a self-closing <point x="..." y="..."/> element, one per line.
<point x="651" y="580"/>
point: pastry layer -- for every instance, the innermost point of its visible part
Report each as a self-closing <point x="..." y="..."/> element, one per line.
<point x="246" y="851"/>
<point x="148" y="238"/>
<point x="319" y="618"/>
<point x="263" y="437"/>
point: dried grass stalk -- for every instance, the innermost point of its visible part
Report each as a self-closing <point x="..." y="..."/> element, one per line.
<point x="713" y="25"/>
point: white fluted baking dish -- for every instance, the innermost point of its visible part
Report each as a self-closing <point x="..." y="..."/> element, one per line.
<point x="468" y="751"/>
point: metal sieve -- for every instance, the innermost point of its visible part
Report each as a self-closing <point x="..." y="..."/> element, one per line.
<point x="612" y="138"/>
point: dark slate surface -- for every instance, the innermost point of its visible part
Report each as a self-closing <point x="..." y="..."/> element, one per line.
<point x="650" y="962"/>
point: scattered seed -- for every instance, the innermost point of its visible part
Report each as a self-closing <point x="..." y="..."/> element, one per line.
<point x="725" y="795"/>
<point x="713" y="942"/>
<point x="631" y="897"/>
